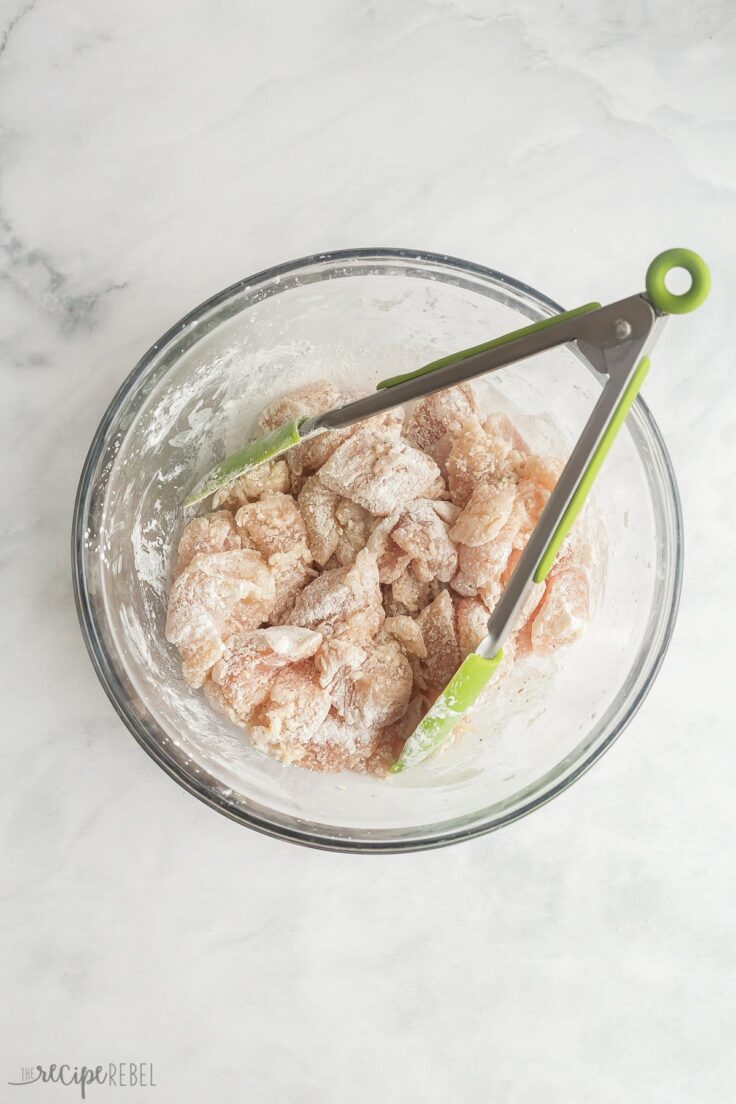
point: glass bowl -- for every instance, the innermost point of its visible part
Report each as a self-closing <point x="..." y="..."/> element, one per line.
<point x="356" y="317"/>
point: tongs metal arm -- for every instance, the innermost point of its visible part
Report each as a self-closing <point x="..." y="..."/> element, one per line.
<point x="615" y="339"/>
<point x="455" y="369"/>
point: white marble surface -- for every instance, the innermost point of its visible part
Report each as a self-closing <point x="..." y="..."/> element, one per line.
<point x="151" y="154"/>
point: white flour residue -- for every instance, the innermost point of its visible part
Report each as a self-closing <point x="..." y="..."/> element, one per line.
<point x="194" y="423"/>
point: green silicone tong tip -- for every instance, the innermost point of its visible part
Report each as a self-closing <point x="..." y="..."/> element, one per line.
<point x="257" y="452"/>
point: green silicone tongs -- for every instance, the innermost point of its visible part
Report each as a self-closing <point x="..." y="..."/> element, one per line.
<point x="615" y="340"/>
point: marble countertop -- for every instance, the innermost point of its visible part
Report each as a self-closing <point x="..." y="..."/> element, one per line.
<point x="151" y="154"/>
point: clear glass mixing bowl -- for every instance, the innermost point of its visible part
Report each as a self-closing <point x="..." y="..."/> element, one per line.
<point x="358" y="316"/>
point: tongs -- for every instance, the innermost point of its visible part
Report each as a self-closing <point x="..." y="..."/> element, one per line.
<point x="615" y="339"/>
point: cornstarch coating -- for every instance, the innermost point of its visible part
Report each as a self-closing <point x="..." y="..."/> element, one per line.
<point x="327" y="597"/>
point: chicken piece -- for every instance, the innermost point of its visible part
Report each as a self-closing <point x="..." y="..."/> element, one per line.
<point x="354" y="526"/>
<point x="437" y="491"/>
<point x="290" y="575"/>
<point x="486" y="513"/>
<point x="269" y="478"/>
<point x="392" y="738"/>
<point x="437" y="418"/>
<point x="318" y="505"/>
<point x="378" y="471"/>
<point x="337" y="656"/>
<point x="377" y="692"/>
<point x="563" y="614"/>
<point x="447" y="511"/>
<point x="481" y="567"/>
<point x="437" y="622"/>
<point x="502" y="429"/>
<point x="312" y="398"/>
<point x="276" y="528"/>
<point x="409" y="595"/>
<point x="407" y="634"/>
<point x="336" y="526"/>
<point x="338" y="746"/>
<point x="303" y="460"/>
<point x="292" y="711"/>
<point x="423" y="536"/>
<point x="241" y="679"/>
<point x="542" y="470"/>
<point x="344" y="602"/>
<point x="475" y="457"/>
<point x="471" y="620"/>
<point x="214" y="532"/>
<point x="314" y="453"/>
<point x="531" y="498"/>
<point x="218" y="594"/>
<point x="273" y="524"/>
<point x="386" y="750"/>
<point x="315" y="398"/>
<point x="392" y="560"/>
<point x="388" y="421"/>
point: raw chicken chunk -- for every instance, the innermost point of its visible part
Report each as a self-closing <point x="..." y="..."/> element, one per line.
<point x="500" y="427"/>
<point x="437" y="622"/>
<point x="378" y="471"/>
<point x="423" y="536"/>
<point x="471" y="619"/>
<point x="344" y="602"/>
<point x="273" y="524"/>
<point x="437" y="491"/>
<point x="269" y="478"/>
<point x="377" y="692"/>
<point x="354" y="527"/>
<point x="215" y="532"/>
<point x="436" y="419"/>
<point x="409" y="595"/>
<point x="275" y="527"/>
<point x="486" y="513"/>
<point x="400" y="730"/>
<point x="480" y="568"/>
<point x="307" y="458"/>
<point x="313" y="398"/>
<point x="338" y="746"/>
<point x="318" y="505"/>
<point x="241" y="680"/>
<point x="217" y="595"/>
<point x="406" y="632"/>
<point x="564" y="612"/>
<point x="475" y="457"/>
<point x="447" y="511"/>
<point x="531" y="499"/>
<point x="542" y="470"/>
<point x="335" y="657"/>
<point x="336" y="526"/>
<point x="290" y="714"/>
<point x="290" y="575"/>
<point x="392" y="560"/>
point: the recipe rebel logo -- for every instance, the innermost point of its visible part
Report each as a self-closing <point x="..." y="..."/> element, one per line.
<point x="117" y="1075"/>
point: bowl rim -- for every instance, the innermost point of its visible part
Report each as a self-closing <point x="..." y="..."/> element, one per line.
<point x="98" y="652"/>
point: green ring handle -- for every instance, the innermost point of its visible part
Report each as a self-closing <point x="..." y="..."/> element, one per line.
<point x="665" y="300"/>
